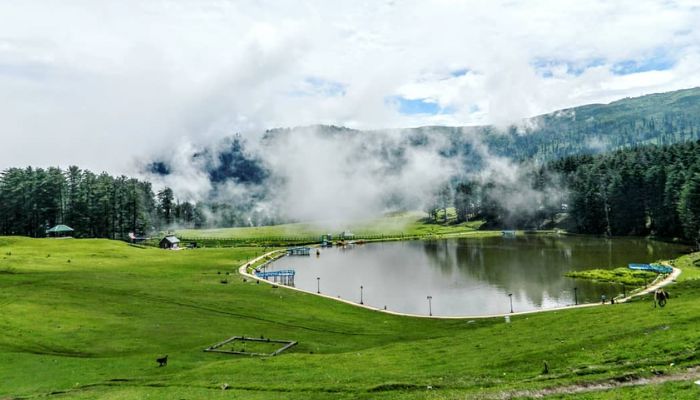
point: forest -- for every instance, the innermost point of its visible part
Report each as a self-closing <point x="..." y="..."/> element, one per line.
<point x="35" y="199"/>
<point x="642" y="190"/>
<point x="639" y="191"/>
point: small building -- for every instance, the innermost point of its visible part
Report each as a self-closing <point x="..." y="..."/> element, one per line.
<point x="170" y="242"/>
<point x="347" y="235"/>
<point x="299" y="251"/>
<point x="136" y="239"/>
<point x="327" y="240"/>
<point x="60" y="231"/>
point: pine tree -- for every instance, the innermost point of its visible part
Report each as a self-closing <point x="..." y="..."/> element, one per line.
<point x="689" y="208"/>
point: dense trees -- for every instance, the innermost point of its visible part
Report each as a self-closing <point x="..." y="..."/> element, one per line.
<point x="645" y="190"/>
<point x="637" y="191"/>
<point x="689" y="206"/>
<point x="94" y="205"/>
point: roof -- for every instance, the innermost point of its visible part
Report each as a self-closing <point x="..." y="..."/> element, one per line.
<point x="60" y="229"/>
<point x="171" y="239"/>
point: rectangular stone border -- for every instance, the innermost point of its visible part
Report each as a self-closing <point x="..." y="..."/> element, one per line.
<point x="287" y="344"/>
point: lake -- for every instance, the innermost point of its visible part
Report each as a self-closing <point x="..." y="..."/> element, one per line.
<point x="471" y="276"/>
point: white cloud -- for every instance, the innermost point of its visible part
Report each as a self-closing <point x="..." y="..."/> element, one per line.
<point x="100" y="83"/>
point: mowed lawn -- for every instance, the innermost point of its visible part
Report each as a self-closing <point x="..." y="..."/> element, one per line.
<point x="88" y="318"/>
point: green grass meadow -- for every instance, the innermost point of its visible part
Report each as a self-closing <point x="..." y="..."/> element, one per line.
<point x="404" y="223"/>
<point x="86" y="319"/>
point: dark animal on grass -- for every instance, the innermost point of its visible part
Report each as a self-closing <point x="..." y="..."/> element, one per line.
<point x="163" y="361"/>
<point x="660" y="297"/>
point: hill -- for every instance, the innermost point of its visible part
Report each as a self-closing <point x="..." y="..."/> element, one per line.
<point x="258" y="178"/>
<point x="88" y="318"/>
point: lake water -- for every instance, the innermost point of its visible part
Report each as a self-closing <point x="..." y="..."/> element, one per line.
<point x="471" y="276"/>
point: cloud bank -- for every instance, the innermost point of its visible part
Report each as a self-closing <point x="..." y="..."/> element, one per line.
<point x="100" y="84"/>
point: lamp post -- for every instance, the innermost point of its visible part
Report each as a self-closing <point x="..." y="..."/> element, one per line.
<point x="361" y="289"/>
<point x="510" y="296"/>
<point x="318" y="284"/>
<point x="430" y="305"/>
<point x="576" y="296"/>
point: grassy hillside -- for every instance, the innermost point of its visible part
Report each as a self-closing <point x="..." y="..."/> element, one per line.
<point x="87" y="318"/>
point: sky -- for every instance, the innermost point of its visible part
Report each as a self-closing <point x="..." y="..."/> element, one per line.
<point x="104" y="84"/>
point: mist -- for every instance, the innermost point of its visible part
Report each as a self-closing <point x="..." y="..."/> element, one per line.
<point x="332" y="176"/>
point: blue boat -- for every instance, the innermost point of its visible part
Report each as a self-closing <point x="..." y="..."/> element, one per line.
<point x="658" y="268"/>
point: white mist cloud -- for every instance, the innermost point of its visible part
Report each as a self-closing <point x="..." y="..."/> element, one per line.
<point x="100" y="84"/>
<point x="316" y="174"/>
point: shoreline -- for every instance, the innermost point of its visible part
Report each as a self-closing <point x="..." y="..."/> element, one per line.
<point x="243" y="271"/>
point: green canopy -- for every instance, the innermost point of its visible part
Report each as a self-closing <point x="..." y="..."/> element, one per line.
<point x="60" y="229"/>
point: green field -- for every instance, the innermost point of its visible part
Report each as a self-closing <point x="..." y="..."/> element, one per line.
<point x="408" y="224"/>
<point x="87" y="319"/>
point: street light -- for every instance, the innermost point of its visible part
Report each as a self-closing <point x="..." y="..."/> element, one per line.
<point x="430" y="305"/>
<point x="318" y="284"/>
<point x="576" y="296"/>
<point x="510" y="296"/>
<point x="361" y="302"/>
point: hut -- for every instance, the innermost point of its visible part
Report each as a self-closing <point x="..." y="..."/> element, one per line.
<point x="60" y="231"/>
<point x="170" y="242"/>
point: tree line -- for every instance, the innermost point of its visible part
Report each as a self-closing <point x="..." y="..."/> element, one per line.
<point x="646" y="190"/>
<point x="94" y="205"/>
<point x="639" y="191"/>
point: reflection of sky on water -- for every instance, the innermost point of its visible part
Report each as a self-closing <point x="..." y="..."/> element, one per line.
<point x="471" y="276"/>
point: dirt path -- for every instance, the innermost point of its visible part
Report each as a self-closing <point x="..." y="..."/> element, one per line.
<point x="664" y="282"/>
<point x="689" y="374"/>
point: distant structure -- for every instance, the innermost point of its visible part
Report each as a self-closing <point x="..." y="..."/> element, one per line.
<point x="170" y="242"/>
<point x="298" y="251"/>
<point x="347" y="235"/>
<point x="327" y="240"/>
<point x="284" y="277"/>
<point x="136" y="239"/>
<point x="60" y="231"/>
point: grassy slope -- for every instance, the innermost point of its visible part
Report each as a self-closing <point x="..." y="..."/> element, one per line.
<point x="411" y="224"/>
<point x="92" y="327"/>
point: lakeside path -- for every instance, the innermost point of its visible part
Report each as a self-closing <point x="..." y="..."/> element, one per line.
<point x="275" y="254"/>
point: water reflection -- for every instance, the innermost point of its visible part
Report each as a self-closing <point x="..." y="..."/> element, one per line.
<point x="471" y="276"/>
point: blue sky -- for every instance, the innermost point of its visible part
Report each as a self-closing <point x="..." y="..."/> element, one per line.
<point x="418" y="106"/>
<point x="661" y="62"/>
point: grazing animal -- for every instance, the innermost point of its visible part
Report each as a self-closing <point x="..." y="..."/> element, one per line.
<point x="660" y="297"/>
<point x="163" y="361"/>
